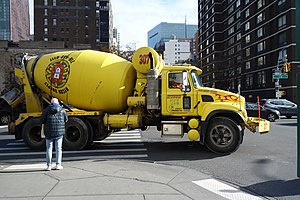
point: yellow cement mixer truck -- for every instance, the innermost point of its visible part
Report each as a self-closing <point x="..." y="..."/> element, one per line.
<point x="103" y="92"/>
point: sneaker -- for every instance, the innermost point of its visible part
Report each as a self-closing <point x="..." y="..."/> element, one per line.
<point x="48" y="168"/>
<point x="58" y="167"/>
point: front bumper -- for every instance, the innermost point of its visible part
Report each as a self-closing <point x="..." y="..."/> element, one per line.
<point x="262" y="124"/>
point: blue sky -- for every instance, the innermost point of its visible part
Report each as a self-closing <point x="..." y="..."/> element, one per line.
<point x="134" y="18"/>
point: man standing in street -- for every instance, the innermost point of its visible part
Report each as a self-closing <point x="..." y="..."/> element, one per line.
<point x="54" y="118"/>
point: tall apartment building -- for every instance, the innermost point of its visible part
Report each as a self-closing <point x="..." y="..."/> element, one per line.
<point x="76" y="22"/>
<point x="244" y="42"/>
<point x="164" y="32"/>
<point x="14" y="20"/>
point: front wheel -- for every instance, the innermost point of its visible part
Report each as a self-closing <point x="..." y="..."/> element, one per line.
<point x="223" y="136"/>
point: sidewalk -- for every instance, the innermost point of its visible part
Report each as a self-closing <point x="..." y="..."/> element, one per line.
<point x="100" y="179"/>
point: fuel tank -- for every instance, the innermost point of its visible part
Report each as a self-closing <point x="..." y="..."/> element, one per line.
<point x="86" y="79"/>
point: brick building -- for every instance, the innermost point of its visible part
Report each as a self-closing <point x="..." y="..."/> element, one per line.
<point x="74" y="22"/>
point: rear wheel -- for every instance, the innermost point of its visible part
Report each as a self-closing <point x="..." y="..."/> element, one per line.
<point x="31" y="134"/>
<point x="223" y="136"/>
<point x="77" y="134"/>
<point x="272" y="117"/>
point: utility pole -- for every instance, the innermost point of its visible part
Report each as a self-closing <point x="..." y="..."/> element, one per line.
<point x="298" y="83"/>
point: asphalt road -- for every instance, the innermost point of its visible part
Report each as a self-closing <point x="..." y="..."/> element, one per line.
<point x="264" y="164"/>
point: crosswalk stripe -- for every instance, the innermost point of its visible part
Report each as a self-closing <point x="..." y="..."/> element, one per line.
<point x="15" y="144"/>
<point x="25" y="167"/>
<point x="78" y="152"/>
<point x="225" y="190"/>
<point x="14" y="148"/>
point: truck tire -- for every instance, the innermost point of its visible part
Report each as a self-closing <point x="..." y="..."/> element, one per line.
<point x="90" y="131"/>
<point x="31" y="134"/>
<point x="222" y="136"/>
<point x="77" y="134"/>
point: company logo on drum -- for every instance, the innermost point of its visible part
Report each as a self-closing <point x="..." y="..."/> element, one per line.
<point x="57" y="73"/>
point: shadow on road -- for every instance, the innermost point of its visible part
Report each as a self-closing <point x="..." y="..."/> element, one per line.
<point x="276" y="188"/>
<point x="178" y="151"/>
<point x="287" y="124"/>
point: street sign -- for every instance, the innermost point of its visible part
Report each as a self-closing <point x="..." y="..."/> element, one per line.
<point x="280" y="76"/>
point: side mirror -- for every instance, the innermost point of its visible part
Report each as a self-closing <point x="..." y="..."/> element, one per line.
<point x="185" y="83"/>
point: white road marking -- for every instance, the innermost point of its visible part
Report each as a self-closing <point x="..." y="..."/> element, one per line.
<point x="225" y="190"/>
<point x="125" y="137"/>
<point x="26" y="167"/>
<point x="15" y="144"/>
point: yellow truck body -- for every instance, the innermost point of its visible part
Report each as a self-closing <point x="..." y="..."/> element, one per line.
<point x="111" y="93"/>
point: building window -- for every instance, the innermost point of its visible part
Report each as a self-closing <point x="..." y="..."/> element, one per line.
<point x="260" y="32"/>
<point x="282" y="39"/>
<point x="231" y="51"/>
<point x="97" y="4"/>
<point x="45" y="39"/>
<point x="54" y="2"/>
<point x="238" y="3"/>
<point x="261" y="61"/>
<point x="45" y="22"/>
<point x="231" y="30"/>
<point x="238" y="47"/>
<point x="231" y="41"/>
<point x="247" y="38"/>
<point x="230" y="20"/>
<point x="45" y="2"/>
<point x="238" y="25"/>
<point x="247" y="26"/>
<point x="247" y="13"/>
<point x="261" y="46"/>
<point x="45" y="31"/>
<point x="259" y="18"/>
<point x="238" y="14"/>
<point x="54" y="22"/>
<point x="238" y="36"/>
<point x="280" y="2"/>
<point x="230" y="10"/>
<point x="248" y="65"/>
<point x="249" y="81"/>
<point x="246" y="2"/>
<point x="45" y="11"/>
<point x="282" y="21"/>
<point x="248" y="52"/>
<point x="261" y="80"/>
<point x="260" y="3"/>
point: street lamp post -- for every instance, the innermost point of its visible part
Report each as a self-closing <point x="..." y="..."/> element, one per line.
<point x="298" y="83"/>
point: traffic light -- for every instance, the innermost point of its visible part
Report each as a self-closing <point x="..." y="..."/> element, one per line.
<point x="286" y="67"/>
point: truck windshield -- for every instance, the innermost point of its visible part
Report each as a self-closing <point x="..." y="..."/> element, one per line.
<point x="196" y="80"/>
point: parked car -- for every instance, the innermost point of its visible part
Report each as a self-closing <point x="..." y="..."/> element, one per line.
<point x="265" y="112"/>
<point x="284" y="106"/>
<point x="5" y="116"/>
